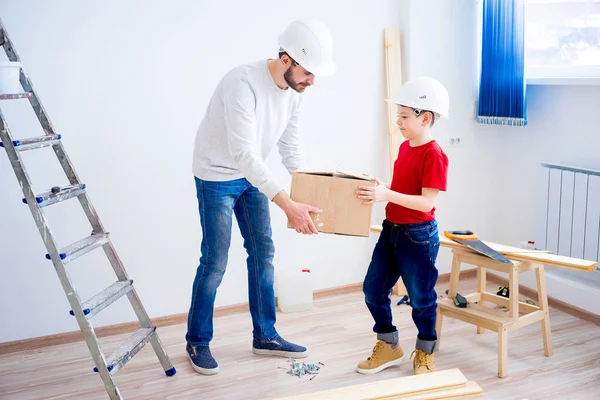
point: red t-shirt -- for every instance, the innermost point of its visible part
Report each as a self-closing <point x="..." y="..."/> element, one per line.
<point x="424" y="166"/>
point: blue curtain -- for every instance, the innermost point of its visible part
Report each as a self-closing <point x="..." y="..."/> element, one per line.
<point x="502" y="82"/>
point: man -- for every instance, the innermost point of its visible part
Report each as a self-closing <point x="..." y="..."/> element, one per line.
<point x="254" y="107"/>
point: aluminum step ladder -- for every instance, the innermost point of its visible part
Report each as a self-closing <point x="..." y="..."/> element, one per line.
<point x="83" y="311"/>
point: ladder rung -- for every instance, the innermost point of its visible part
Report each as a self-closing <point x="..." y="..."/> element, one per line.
<point x="16" y="96"/>
<point x="65" y="193"/>
<point x="81" y="247"/>
<point x="127" y="350"/>
<point x="105" y="298"/>
<point x="35" y="143"/>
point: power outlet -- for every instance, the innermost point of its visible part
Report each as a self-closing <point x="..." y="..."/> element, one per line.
<point x="455" y="141"/>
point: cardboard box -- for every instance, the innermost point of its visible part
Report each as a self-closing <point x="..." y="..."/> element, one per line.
<point x="334" y="192"/>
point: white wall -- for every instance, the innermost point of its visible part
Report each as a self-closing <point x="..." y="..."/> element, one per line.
<point x="496" y="185"/>
<point x="127" y="83"/>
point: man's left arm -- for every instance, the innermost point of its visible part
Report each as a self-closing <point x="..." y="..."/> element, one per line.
<point x="292" y="155"/>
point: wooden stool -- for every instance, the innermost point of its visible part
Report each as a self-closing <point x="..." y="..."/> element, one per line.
<point x="519" y="314"/>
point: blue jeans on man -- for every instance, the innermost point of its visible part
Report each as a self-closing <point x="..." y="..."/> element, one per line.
<point x="217" y="202"/>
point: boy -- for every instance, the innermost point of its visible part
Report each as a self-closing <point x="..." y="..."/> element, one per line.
<point x="409" y="243"/>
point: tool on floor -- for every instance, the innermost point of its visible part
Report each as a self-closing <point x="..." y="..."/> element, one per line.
<point x="460" y="301"/>
<point x="404" y="300"/>
<point x="299" y="368"/>
<point x="469" y="239"/>
<point x="503" y="291"/>
<point x="83" y="311"/>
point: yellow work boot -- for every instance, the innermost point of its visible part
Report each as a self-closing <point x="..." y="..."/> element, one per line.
<point x="423" y="362"/>
<point x="383" y="357"/>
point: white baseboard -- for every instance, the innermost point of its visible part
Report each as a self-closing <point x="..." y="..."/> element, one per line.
<point x="580" y="289"/>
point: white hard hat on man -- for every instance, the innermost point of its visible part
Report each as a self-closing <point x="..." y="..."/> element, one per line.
<point x="309" y="43"/>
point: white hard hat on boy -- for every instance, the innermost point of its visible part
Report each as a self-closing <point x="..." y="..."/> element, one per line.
<point x="426" y="94"/>
<point x="309" y="43"/>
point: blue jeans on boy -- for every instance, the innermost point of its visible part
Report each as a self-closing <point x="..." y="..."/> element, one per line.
<point x="408" y="251"/>
<point x="217" y="202"/>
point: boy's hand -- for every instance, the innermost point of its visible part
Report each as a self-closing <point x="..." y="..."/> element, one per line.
<point x="373" y="194"/>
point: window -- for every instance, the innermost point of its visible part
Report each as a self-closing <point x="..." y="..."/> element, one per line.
<point x="562" y="41"/>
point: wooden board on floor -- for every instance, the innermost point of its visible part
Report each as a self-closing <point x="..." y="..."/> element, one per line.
<point x="393" y="388"/>
<point x="470" y="390"/>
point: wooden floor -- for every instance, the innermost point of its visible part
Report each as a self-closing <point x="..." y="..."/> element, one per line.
<point x="338" y="334"/>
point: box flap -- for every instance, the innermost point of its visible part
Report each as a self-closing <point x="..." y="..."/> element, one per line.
<point x="320" y="172"/>
<point x="336" y="172"/>
<point x="348" y="174"/>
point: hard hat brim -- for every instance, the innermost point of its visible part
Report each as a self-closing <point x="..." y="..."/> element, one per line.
<point x="401" y="102"/>
<point x="327" y="68"/>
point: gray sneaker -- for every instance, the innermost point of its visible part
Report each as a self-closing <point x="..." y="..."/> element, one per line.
<point x="201" y="359"/>
<point x="279" y="347"/>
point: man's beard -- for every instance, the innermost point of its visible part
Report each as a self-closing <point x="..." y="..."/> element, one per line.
<point x="298" y="87"/>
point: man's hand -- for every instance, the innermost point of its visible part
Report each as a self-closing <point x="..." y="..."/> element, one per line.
<point x="374" y="194"/>
<point x="297" y="213"/>
<point x="300" y="218"/>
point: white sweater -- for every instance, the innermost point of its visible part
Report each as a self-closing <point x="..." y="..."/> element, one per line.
<point x="247" y="115"/>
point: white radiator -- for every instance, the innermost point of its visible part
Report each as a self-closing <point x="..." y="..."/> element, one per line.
<point x="572" y="212"/>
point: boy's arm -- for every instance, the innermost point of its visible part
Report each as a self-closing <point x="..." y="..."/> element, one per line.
<point x="381" y="192"/>
<point x="434" y="180"/>
<point x="425" y="202"/>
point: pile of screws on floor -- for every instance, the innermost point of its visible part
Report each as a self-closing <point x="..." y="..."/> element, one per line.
<point x="300" y="369"/>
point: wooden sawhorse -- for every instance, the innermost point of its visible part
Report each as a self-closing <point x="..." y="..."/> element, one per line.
<point x="519" y="314"/>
